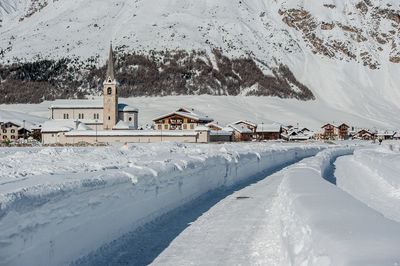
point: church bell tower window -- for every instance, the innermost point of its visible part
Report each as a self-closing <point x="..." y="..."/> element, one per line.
<point x="109" y="90"/>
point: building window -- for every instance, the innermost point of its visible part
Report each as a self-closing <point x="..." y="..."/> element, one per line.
<point x="166" y="127"/>
<point x="80" y="116"/>
<point x="12" y="137"/>
<point x="96" y="116"/>
<point x="109" y="90"/>
<point x="4" y="130"/>
<point x="109" y="118"/>
<point x="184" y="126"/>
<point x="191" y="126"/>
<point x="130" y="119"/>
<point x="66" y="116"/>
<point x="12" y="130"/>
<point x="4" y="137"/>
<point x="159" y="127"/>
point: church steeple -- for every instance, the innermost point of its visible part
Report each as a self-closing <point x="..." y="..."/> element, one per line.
<point x="110" y="66"/>
<point x="110" y="96"/>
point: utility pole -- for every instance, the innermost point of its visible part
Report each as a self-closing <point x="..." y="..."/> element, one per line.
<point x="24" y="130"/>
<point x="96" y="130"/>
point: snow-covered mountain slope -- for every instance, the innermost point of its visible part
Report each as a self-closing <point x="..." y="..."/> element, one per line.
<point x="345" y="51"/>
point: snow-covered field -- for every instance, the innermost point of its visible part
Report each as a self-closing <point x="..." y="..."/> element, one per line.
<point x="169" y="204"/>
<point x="228" y="109"/>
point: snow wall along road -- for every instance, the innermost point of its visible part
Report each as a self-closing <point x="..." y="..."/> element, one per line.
<point x="55" y="219"/>
<point x="323" y="225"/>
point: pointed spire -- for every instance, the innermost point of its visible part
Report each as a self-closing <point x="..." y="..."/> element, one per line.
<point x="110" y="65"/>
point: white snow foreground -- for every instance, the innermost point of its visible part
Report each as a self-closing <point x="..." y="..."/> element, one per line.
<point x="323" y="225"/>
<point x="58" y="204"/>
<point x="373" y="177"/>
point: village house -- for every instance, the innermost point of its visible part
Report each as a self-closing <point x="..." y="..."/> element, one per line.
<point x="12" y="131"/>
<point x="250" y="125"/>
<point x="9" y="131"/>
<point x="241" y="133"/>
<point x="385" y="134"/>
<point x="332" y="131"/>
<point x="296" y="134"/>
<point x="182" y="119"/>
<point x="268" y="131"/>
<point x="365" y="135"/>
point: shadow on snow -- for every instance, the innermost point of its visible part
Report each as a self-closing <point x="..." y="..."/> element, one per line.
<point x="143" y="245"/>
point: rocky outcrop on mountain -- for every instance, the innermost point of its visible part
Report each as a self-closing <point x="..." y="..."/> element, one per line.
<point x="340" y="48"/>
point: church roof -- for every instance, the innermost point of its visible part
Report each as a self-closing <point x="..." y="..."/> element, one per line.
<point x="110" y="65"/>
<point x="126" y="108"/>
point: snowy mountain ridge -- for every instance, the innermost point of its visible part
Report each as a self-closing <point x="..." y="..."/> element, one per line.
<point x="345" y="52"/>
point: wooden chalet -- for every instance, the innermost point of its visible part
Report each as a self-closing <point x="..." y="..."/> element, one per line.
<point x="268" y="131"/>
<point x="182" y="119"/>
<point x="330" y="131"/>
<point x="365" y="135"/>
<point x="214" y="126"/>
<point x="241" y="133"/>
<point x="343" y="130"/>
<point x="250" y="125"/>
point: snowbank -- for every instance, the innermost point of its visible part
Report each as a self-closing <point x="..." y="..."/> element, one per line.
<point x="323" y="225"/>
<point x="58" y="204"/>
<point x="373" y="177"/>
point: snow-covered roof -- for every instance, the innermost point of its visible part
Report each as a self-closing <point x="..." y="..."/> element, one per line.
<point x="121" y="125"/>
<point x="241" y="129"/>
<point x="126" y="108"/>
<point x="132" y="133"/>
<point x="77" y="104"/>
<point x="214" y="125"/>
<point x="262" y="128"/>
<point x="189" y="113"/>
<point x="386" y="133"/>
<point x="82" y="126"/>
<point x="58" y="125"/>
<point x="202" y="128"/>
<point x="245" y="122"/>
<point x="228" y="129"/>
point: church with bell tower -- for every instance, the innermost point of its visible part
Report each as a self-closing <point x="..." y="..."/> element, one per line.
<point x="110" y="98"/>
<point x="106" y="114"/>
